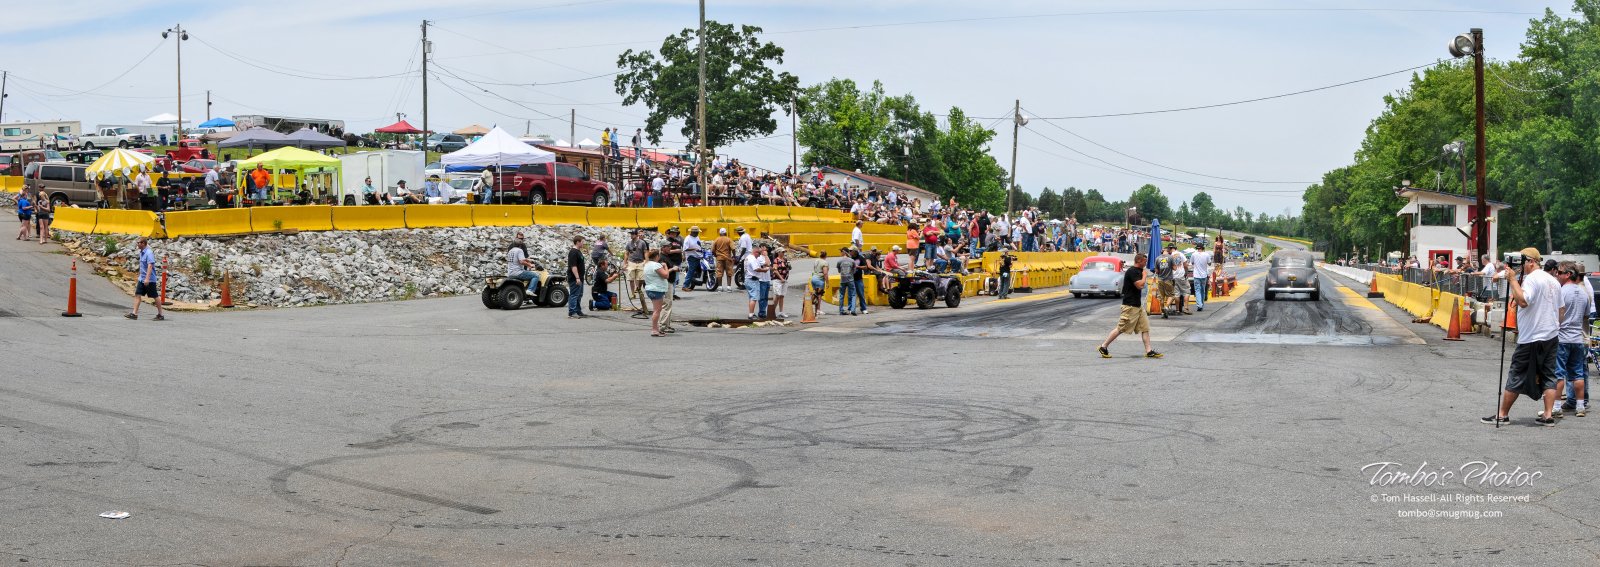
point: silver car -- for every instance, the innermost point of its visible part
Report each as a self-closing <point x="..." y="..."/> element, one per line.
<point x="1097" y="276"/>
<point x="1293" y="271"/>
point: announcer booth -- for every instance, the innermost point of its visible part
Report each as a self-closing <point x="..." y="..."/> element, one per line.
<point x="1439" y="224"/>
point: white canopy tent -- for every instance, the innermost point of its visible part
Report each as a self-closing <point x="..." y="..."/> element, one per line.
<point x="163" y="118"/>
<point x="588" y="144"/>
<point x="500" y="149"/>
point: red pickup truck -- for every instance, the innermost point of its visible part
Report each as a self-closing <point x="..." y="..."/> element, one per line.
<point x="189" y="149"/>
<point x="532" y="183"/>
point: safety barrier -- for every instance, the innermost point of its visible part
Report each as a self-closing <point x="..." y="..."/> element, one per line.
<point x="883" y="241"/>
<point x="438" y="216"/>
<point x="11" y="184"/>
<point x="1442" y="309"/>
<point x="700" y="215"/>
<point x="623" y="218"/>
<point x="217" y="222"/>
<point x="549" y="215"/>
<point x="740" y="214"/>
<point x="502" y="215"/>
<point x="662" y="217"/>
<point x="369" y="218"/>
<point x="772" y="213"/>
<point x="304" y="217"/>
<point x="119" y="221"/>
<point x="74" y="219"/>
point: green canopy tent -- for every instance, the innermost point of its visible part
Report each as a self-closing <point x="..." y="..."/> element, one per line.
<point x="301" y="161"/>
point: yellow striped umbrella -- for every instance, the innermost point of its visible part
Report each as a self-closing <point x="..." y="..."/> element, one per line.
<point x="121" y="161"/>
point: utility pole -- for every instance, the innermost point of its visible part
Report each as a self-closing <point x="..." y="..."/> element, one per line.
<point x="1016" y="126"/>
<point x="427" y="49"/>
<point x="4" y="76"/>
<point x="182" y="36"/>
<point x="700" y="112"/>
<point x="1482" y="150"/>
<point x="794" y="139"/>
<point x="572" y="123"/>
<point x="208" y="105"/>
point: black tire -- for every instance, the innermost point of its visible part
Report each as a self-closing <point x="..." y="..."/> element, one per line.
<point x="926" y="297"/>
<point x="897" y="298"/>
<point x="738" y="276"/>
<point x="600" y="199"/>
<point x="490" y="298"/>
<point x="123" y="144"/>
<point x="1271" y="296"/>
<point x="58" y="200"/>
<point x="952" y="296"/>
<point x="558" y="295"/>
<point x="1077" y="295"/>
<point x="712" y="282"/>
<point x="536" y="197"/>
<point x="1316" y="294"/>
<point x="511" y="297"/>
<point x="88" y="145"/>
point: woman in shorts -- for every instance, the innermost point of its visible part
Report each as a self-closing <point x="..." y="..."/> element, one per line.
<point x="656" y="275"/>
<point x="24" y="214"/>
<point x="43" y="211"/>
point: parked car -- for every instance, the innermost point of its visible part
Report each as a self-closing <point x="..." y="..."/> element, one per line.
<point x="1293" y="271"/>
<point x="84" y="156"/>
<point x="1097" y="275"/>
<point x="189" y="149"/>
<point x="432" y="169"/>
<point x="66" y="183"/>
<point x="532" y="183"/>
<point x="446" y="143"/>
<point x="201" y="164"/>
<point x="10" y="164"/>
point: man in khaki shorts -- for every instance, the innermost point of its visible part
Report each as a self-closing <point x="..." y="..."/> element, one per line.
<point x="1133" y="318"/>
<point x="633" y="268"/>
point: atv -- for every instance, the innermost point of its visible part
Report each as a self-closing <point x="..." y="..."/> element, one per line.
<point x="500" y="292"/>
<point x="925" y="287"/>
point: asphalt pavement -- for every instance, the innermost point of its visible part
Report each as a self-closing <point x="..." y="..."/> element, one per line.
<point x="437" y="432"/>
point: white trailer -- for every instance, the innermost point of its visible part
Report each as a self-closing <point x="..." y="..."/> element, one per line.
<point x="33" y="135"/>
<point x="386" y="168"/>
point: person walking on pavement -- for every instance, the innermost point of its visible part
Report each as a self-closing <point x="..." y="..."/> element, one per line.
<point x="634" y="254"/>
<point x="1572" y="348"/>
<point x="1201" y="260"/>
<point x="1164" y="283"/>
<point x="575" y="279"/>
<point x="146" y="286"/>
<point x="1180" y="282"/>
<point x="25" y="215"/>
<point x="1133" y="318"/>
<point x="722" y="250"/>
<point x="757" y="281"/>
<point x="1533" y="365"/>
<point x="859" y="287"/>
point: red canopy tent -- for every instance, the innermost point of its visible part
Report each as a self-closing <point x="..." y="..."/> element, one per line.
<point x="401" y="127"/>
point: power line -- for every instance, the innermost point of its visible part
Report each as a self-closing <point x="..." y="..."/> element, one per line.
<point x="264" y="67"/>
<point x="1515" y="87"/>
<point x="1168" y="179"/>
<point x="1246" y="101"/>
<point x="547" y="7"/>
<point x="508" y="50"/>
<point x="124" y="73"/>
<point x="1145" y="161"/>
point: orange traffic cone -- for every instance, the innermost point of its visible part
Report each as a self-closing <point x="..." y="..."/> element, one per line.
<point x="1511" y="317"/>
<point x="164" y="282"/>
<point x="1466" y="319"/>
<point x="227" y="294"/>
<point x="72" y="293"/>
<point x="1454" y="332"/>
<point x="1373" y="290"/>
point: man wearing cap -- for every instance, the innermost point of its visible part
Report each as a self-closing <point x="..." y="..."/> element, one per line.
<point x="744" y="246"/>
<point x="845" y="266"/>
<point x="672" y="256"/>
<point x="1533" y="365"/>
<point x="692" y="252"/>
<point x="722" y="250"/>
<point x="757" y="281"/>
<point x="634" y="254"/>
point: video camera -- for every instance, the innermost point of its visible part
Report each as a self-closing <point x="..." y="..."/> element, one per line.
<point x="1515" y="261"/>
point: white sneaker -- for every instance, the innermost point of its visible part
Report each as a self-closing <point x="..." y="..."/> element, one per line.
<point x="1556" y="411"/>
<point x="1583" y="409"/>
<point x="782" y="315"/>
<point x="752" y="316"/>
<point x="864" y="312"/>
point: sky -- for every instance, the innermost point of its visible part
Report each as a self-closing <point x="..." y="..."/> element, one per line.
<point x="357" y="60"/>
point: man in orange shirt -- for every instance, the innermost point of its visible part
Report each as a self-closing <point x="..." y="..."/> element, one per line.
<point x="261" y="179"/>
<point x="913" y="243"/>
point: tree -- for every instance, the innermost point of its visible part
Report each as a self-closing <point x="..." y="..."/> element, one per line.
<point x="1184" y="216"/>
<point x="842" y="126"/>
<point x="1205" y="211"/>
<point x="742" y="89"/>
<point x="975" y="178"/>
<point x="1152" y="204"/>
<point x="1050" y="203"/>
<point x="1019" y="199"/>
<point x="1073" y="203"/>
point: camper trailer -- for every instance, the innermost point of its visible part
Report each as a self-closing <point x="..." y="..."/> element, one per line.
<point x="58" y="134"/>
<point x="386" y="168"/>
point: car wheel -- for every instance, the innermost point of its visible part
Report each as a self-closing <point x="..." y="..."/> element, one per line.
<point x="952" y="296"/>
<point x="511" y="297"/>
<point x="558" y="295"/>
<point x="88" y="145"/>
<point x="58" y="201"/>
<point x="1270" y="295"/>
<point x="925" y="297"/>
<point x="738" y="276"/>
<point x="599" y="199"/>
<point x="897" y="299"/>
<point x="123" y="144"/>
<point x="489" y="299"/>
<point x="536" y="198"/>
<point x="1077" y="295"/>
<point x="1316" y="294"/>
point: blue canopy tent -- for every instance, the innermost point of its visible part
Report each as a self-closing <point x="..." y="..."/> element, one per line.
<point x="218" y="122"/>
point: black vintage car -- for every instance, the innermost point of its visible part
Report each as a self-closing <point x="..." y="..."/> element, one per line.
<point x="1293" y="271"/>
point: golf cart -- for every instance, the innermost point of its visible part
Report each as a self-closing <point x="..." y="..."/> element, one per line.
<point x="924" y="287"/>
<point x="500" y="292"/>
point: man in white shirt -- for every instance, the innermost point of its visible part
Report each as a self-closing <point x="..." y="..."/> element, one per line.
<point x="855" y="236"/>
<point x="757" y="281"/>
<point x="1180" y="277"/>
<point x="743" y="247"/>
<point x="1533" y="365"/>
<point x="1201" y="260"/>
<point x="692" y="251"/>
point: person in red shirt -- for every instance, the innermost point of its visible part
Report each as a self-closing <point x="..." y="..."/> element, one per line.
<point x="930" y="240"/>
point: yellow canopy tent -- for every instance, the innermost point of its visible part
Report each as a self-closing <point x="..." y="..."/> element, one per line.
<point x="301" y="161"/>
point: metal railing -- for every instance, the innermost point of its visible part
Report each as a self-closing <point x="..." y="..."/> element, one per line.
<point x="1466" y="284"/>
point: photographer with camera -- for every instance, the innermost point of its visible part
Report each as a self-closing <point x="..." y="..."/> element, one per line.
<point x="1535" y="294"/>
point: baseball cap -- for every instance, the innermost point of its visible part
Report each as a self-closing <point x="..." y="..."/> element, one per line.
<point x="694" y="229"/>
<point x="723" y="231"/>
<point x="739" y="230"/>
<point x="673" y="229"/>
<point x="896" y="248"/>
<point x="1533" y="253"/>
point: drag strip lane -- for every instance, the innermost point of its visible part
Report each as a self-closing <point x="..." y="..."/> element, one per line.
<point x="1340" y="317"/>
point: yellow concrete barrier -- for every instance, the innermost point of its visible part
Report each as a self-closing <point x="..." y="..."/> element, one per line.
<point x="700" y="215"/>
<point x="11" y="183"/>
<point x="624" y="218"/>
<point x="502" y="215"/>
<point x="74" y="219"/>
<point x="303" y="217"/>
<point x="1441" y="311"/>
<point x="548" y="215"/>
<point x="772" y="213"/>
<point x="662" y="217"/>
<point x="437" y="216"/>
<point x="883" y="241"/>
<point x="215" y="222"/>
<point x="372" y="217"/>
<point x="118" y="221"/>
<point x="740" y="214"/>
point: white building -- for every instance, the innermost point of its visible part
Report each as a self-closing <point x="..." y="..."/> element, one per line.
<point x="848" y="178"/>
<point x="1440" y="224"/>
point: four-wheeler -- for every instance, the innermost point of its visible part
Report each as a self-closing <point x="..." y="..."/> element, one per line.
<point x="501" y="292"/>
<point x="925" y="288"/>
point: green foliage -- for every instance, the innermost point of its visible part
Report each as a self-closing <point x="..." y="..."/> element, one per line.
<point x="109" y="243"/>
<point x="1050" y="203"/>
<point x="742" y="89"/>
<point x="203" y="265"/>
<point x="1151" y="203"/>
<point x="1543" y="146"/>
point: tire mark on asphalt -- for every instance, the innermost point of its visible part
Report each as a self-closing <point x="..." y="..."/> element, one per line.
<point x="80" y="407"/>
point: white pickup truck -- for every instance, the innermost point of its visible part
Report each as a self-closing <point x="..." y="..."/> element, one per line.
<point x="113" y="137"/>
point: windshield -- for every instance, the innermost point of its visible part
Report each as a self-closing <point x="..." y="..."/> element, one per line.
<point x="1292" y="263"/>
<point x="52" y="155"/>
<point x="1103" y="266"/>
<point x="119" y="131"/>
<point x="461" y="183"/>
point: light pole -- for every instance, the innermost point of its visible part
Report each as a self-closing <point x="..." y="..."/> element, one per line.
<point x="1471" y="43"/>
<point x="182" y="37"/>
